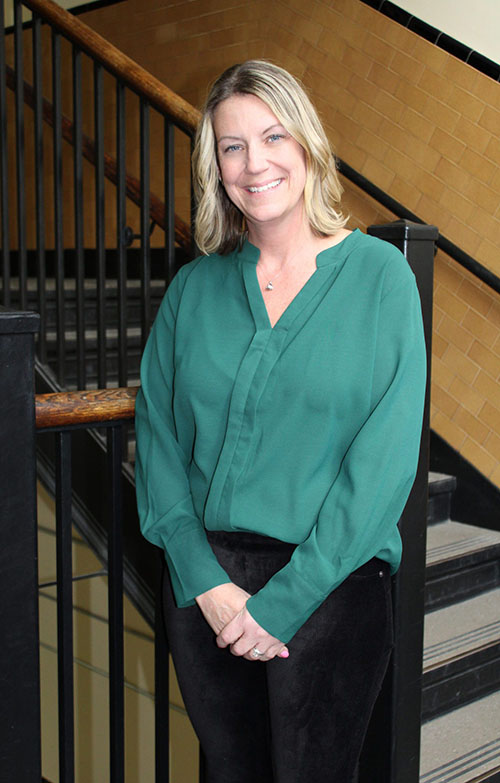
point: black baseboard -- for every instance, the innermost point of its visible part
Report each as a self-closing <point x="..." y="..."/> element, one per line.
<point x="476" y="501"/>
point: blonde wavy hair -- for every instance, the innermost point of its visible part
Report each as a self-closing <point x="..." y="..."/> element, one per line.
<point x="219" y="226"/>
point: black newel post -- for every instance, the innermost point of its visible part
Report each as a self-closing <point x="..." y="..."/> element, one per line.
<point x="19" y="667"/>
<point x="392" y="749"/>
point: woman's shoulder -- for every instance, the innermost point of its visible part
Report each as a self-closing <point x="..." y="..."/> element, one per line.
<point x="379" y="258"/>
<point x="196" y="279"/>
<point x="196" y="271"/>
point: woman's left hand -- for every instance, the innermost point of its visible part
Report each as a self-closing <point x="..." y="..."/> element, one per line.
<point x="243" y="635"/>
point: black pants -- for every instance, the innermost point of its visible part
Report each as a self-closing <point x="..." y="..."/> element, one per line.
<point x="296" y="720"/>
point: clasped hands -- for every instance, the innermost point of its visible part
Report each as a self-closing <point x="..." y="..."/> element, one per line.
<point x="224" y="609"/>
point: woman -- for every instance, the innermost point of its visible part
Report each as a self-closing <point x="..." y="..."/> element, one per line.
<point x="278" y="429"/>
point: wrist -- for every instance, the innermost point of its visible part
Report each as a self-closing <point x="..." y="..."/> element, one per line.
<point x="210" y="594"/>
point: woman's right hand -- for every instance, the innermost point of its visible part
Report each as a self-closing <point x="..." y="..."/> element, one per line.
<point x="220" y="604"/>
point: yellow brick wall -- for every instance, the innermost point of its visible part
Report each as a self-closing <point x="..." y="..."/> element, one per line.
<point x="425" y="127"/>
<point x="416" y="121"/>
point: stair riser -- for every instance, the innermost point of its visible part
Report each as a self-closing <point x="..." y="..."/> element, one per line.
<point x="441" y="489"/>
<point x="91" y="368"/>
<point x="460" y="682"/>
<point x="444" y="589"/>
<point x="438" y="508"/>
<point x="111" y="313"/>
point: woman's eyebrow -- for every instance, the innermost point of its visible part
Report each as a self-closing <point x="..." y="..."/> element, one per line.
<point x="240" y="138"/>
<point x="275" y="125"/>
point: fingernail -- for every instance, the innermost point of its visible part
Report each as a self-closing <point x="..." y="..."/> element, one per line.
<point x="284" y="654"/>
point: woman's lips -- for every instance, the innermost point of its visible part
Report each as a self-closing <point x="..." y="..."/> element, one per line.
<point x="263" y="188"/>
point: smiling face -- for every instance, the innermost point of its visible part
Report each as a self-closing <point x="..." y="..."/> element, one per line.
<point x="262" y="167"/>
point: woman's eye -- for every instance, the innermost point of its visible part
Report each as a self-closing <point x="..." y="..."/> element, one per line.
<point x="275" y="137"/>
<point x="233" y="148"/>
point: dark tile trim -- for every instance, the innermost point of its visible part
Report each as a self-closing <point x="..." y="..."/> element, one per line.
<point x="435" y="36"/>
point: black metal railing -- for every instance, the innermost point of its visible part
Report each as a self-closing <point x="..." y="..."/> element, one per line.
<point x="62" y="415"/>
<point x="97" y="310"/>
<point x="443" y="243"/>
<point x="60" y="418"/>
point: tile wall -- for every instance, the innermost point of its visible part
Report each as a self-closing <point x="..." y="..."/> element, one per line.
<point x="415" y="120"/>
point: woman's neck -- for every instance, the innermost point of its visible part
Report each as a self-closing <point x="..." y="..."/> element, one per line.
<point x="279" y="247"/>
<point x="281" y="242"/>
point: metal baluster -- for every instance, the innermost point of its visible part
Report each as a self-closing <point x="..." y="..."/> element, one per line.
<point x="100" y="226"/>
<point x="169" y="201"/>
<point x="20" y="167"/>
<point x="120" y="227"/>
<point x="4" y="182"/>
<point x="39" y="189"/>
<point x="145" y="245"/>
<point x="115" y="606"/>
<point x="64" y="608"/>
<point x="202" y="772"/>
<point x="78" y="206"/>
<point x="58" y="206"/>
<point x="162" y="774"/>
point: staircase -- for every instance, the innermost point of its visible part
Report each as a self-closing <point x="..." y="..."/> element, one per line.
<point x="461" y="667"/>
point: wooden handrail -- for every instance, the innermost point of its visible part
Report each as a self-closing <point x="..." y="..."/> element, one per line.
<point x="132" y="185"/>
<point x="84" y="407"/>
<point x="126" y="69"/>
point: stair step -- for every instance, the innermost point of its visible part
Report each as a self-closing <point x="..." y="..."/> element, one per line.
<point x="441" y="489"/>
<point x="133" y="343"/>
<point x="461" y="653"/>
<point x="89" y="285"/>
<point x="133" y="300"/>
<point x="133" y="333"/>
<point x="462" y="561"/>
<point x="464" y="745"/>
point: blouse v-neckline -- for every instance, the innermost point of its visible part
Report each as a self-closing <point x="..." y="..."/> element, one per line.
<point x="325" y="259"/>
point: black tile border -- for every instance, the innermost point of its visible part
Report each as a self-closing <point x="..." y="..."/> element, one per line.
<point x="437" y="37"/>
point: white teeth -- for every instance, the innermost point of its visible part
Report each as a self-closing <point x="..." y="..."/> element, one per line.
<point x="265" y="187"/>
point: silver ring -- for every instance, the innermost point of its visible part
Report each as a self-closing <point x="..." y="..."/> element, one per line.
<point x="256" y="653"/>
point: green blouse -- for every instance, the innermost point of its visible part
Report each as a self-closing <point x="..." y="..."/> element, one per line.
<point x="307" y="432"/>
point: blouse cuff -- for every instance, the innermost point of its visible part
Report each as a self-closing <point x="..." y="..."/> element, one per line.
<point x="192" y="565"/>
<point x="285" y="603"/>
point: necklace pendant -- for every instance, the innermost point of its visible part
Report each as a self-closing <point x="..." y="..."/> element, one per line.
<point x="269" y="286"/>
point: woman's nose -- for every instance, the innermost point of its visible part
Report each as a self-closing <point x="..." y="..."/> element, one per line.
<point x="256" y="159"/>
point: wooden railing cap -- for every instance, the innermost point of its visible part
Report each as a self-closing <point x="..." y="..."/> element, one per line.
<point x="84" y="407"/>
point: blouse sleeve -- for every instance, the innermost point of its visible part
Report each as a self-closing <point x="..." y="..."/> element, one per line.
<point x="360" y="512"/>
<point x="166" y="512"/>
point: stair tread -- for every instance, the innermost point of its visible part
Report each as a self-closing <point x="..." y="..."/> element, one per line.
<point x="91" y="333"/>
<point x="441" y="482"/>
<point x="464" y="745"/>
<point x="461" y="629"/>
<point x="89" y="284"/>
<point x="448" y="540"/>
